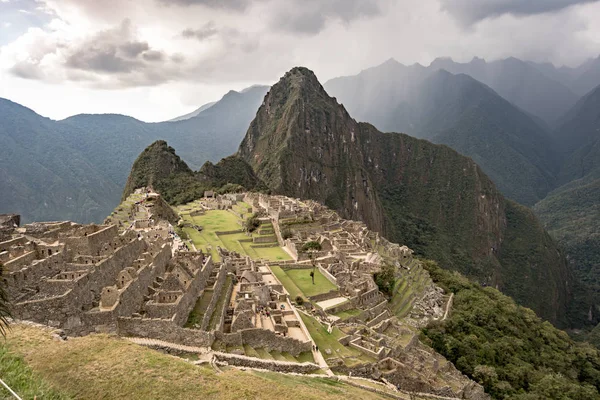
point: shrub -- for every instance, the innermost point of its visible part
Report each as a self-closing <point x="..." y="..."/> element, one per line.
<point x="299" y="300"/>
<point x="312" y="245"/>
<point x="286" y="233"/>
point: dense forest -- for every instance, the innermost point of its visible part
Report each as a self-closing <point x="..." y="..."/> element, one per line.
<point x="507" y="348"/>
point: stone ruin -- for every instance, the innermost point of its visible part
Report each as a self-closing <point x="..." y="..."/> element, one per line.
<point x="132" y="276"/>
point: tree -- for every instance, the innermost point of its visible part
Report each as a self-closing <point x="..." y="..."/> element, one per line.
<point x="386" y="278"/>
<point x="4" y="310"/>
<point x="312" y="275"/>
<point x="252" y="223"/>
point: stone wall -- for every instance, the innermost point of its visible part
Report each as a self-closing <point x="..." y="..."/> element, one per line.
<point x="379" y="354"/>
<point x="49" y="266"/>
<point x="370" y="297"/>
<point x="296" y="266"/>
<point x="325" y="296"/>
<point x="385" y="314"/>
<point x="180" y="309"/>
<point x="272" y="365"/>
<point x="163" y="329"/>
<point x="221" y="277"/>
<point x="19" y="262"/>
<point x="93" y="243"/>
<point x="65" y="311"/>
<point x="224" y="307"/>
<point x="264" y="239"/>
<point x="230" y="339"/>
<point x="270" y="341"/>
<point x="5" y="246"/>
<point x="185" y="306"/>
<point x="342" y="307"/>
<point x="131" y="297"/>
<point x="327" y="275"/>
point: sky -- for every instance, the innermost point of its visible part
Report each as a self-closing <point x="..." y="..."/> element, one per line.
<point x="158" y="59"/>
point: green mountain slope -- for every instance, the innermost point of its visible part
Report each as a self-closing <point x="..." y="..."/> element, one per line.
<point x="76" y="168"/>
<point x="42" y="176"/>
<point x="302" y="143"/>
<point x="160" y="168"/>
<point x="457" y="110"/>
<point x="507" y="348"/>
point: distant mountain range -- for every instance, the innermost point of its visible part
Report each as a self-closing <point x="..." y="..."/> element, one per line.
<point x="457" y="110"/>
<point x="76" y="168"/>
<point x="580" y="79"/>
<point x="572" y="211"/>
<point x="193" y="113"/>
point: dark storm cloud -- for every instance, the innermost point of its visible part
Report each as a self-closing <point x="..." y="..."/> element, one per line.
<point x="296" y="16"/>
<point x="471" y="11"/>
<point x="112" y="51"/>
<point x="202" y="33"/>
<point x="311" y="16"/>
<point x="105" y="60"/>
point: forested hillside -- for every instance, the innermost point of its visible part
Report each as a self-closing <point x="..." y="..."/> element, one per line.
<point x="509" y="349"/>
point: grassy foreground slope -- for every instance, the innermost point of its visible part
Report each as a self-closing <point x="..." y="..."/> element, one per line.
<point x="106" y="367"/>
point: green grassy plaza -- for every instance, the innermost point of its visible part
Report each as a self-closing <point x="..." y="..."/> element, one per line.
<point x="299" y="283"/>
<point x="214" y="221"/>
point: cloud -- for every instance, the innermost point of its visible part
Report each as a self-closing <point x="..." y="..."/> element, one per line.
<point x="238" y="5"/>
<point x="311" y="16"/>
<point x="307" y="17"/>
<point x="202" y="33"/>
<point x="113" y="51"/>
<point x="26" y="70"/>
<point x="472" y="11"/>
<point x="111" y="58"/>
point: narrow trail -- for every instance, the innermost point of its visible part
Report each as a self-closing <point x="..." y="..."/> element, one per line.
<point x="448" y="305"/>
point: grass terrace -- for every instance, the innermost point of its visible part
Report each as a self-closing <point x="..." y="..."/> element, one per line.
<point x="326" y="340"/>
<point x="287" y="282"/>
<point x="197" y="313"/>
<point x="344" y="315"/>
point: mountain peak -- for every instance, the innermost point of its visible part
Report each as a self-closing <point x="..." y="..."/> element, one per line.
<point x="299" y="76"/>
<point x="391" y="61"/>
<point x="296" y="81"/>
<point x="155" y="165"/>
